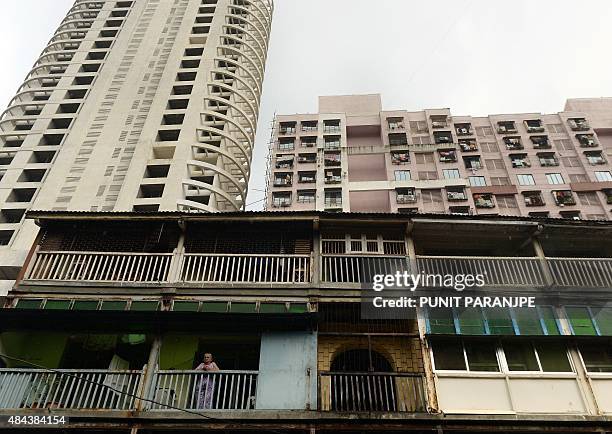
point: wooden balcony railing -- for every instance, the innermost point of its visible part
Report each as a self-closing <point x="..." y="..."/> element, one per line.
<point x="360" y="269"/>
<point x="199" y="390"/>
<point x="69" y="389"/>
<point x="215" y="268"/>
<point x="366" y="392"/>
<point x="101" y="267"/>
<point x="498" y="272"/>
<point x="580" y="272"/>
<point x="239" y="268"/>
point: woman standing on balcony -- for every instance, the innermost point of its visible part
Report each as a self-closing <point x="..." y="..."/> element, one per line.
<point x="207" y="384"/>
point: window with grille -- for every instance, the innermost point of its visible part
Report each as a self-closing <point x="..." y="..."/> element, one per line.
<point x="500" y="180"/>
<point x="588" y="198"/>
<point x="431" y="196"/>
<point x="525" y="179"/>
<point x="489" y="147"/>
<point x="555" y="178"/>
<point x="484" y="131"/>
<point x="402" y="175"/>
<point x="570" y="161"/>
<point x="428" y="176"/>
<point x="451" y="173"/>
<point x="578" y="178"/>
<point x="495" y="164"/>
<point x="419" y="126"/>
<point x="427" y="158"/>
<point x="564" y="145"/>
<point x="421" y="140"/>
<point x="506" y="201"/>
<point x="477" y="181"/>
<point x="555" y="128"/>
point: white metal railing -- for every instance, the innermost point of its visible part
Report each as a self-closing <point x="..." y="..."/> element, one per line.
<point x="69" y="389"/>
<point x="241" y="268"/>
<point x="360" y="269"/>
<point x="497" y="271"/>
<point x="199" y="390"/>
<point x="101" y="267"/>
<point x="385" y="391"/>
<point x="591" y="272"/>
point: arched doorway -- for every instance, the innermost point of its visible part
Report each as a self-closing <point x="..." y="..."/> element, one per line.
<point x="362" y="380"/>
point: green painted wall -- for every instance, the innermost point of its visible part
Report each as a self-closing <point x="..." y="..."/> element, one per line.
<point x="177" y="352"/>
<point x="44" y="349"/>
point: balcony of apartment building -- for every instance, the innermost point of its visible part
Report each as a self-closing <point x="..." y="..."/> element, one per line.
<point x="506" y="127"/>
<point x="331" y="126"/>
<point x="447" y="156"/>
<point x="309" y="126"/>
<point x="396" y="124"/>
<point x="283" y="179"/>
<point x="282" y="199"/>
<point x="333" y="176"/>
<point x="484" y="200"/>
<point x="308" y="142"/>
<point x="564" y="198"/>
<point x="405" y="196"/>
<point x="128" y="369"/>
<point x="287" y="128"/>
<point x="520" y="161"/>
<point x="286" y="144"/>
<point x="534" y="126"/>
<point x="595" y="158"/>
<point x="439" y="121"/>
<point x="578" y="124"/>
<point x="456" y="194"/>
<point x="464" y="129"/>
<point x="85" y="255"/>
<point x="398" y="140"/>
<point x="587" y="140"/>
<point x="533" y="198"/>
<point x="547" y="159"/>
<point x="307" y="177"/>
<point x="540" y="142"/>
<point x="285" y="161"/>
<point x="368" y="365"/>
<point x="331" y="143"/>
<point x="513" y="143"/>
<point x="332" y="159"/>
<point x="468" y="145"/>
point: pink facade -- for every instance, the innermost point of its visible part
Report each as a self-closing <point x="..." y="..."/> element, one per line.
<point x="352" y="156"/>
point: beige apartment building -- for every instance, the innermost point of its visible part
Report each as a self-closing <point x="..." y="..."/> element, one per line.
<point x="353" y="156"/>
<point x="144" y="105"/>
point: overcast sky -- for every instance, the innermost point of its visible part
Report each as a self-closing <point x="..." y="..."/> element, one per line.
<point x="476" y="57"/>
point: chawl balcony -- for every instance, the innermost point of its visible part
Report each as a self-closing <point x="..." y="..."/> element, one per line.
<point x="190" y="252"/>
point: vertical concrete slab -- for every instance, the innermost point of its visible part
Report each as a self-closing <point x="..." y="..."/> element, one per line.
<point x="287" y="371"/>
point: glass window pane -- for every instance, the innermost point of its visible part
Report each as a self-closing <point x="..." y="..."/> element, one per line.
<point x="548" y="316"/>
<point x="528" y="321"/>
<point x="603" y="318"/>
<point x="500" y="322"/>
<point x="553" y="357"/>
<point x="597" y="356"/>
<point x="580" y="320"/>
<point x="441" y="321"/>
<point x="520" y="356"/>
<point x="448" y="355"/>
<point x="471" y="322"/>
<point x="481" y="356"/>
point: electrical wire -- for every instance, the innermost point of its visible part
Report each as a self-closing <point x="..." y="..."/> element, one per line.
<point x="121" y="392"/>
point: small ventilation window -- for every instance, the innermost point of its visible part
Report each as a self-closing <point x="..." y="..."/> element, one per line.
<point x="151" y="190"/>
<point x="32" y="175"/>
<point x="157" y="171"/>
<point x="21" y="195"/>
<point x="168" y="135"/>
